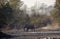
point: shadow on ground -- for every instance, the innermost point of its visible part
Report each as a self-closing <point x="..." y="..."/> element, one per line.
<point x="6" y="36"/>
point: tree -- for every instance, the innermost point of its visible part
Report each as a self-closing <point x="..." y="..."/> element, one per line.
<point x="17" y="13"/>
<point x="56" y="12"/>
<point x="9" y="12"/>
<point x="5" y="15"/>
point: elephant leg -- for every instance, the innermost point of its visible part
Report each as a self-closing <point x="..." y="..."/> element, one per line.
<point x="24" y="29"/>
<point x="27" y="29"/>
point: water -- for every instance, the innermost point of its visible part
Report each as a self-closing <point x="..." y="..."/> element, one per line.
<point x="36" y="35"/>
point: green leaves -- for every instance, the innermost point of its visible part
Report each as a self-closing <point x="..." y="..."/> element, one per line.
<point x="5" y="14"/>
<point x="55" y="13"/>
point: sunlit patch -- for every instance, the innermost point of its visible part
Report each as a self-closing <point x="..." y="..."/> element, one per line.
<point x="30" y="3"/>
<point x="51" y="27"/>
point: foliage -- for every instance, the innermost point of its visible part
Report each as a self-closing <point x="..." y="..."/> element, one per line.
<point x="11" y="16"/>
<point x="9" y="12"/>
<point x="55" y="13"/>
<point x="5" y="15"/>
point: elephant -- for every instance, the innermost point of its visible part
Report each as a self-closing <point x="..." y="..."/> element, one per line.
<point x="28" y="26"/>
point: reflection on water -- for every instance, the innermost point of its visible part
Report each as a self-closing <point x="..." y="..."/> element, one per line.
<point x="33" y="38"/>
<point x="36" y="35"/>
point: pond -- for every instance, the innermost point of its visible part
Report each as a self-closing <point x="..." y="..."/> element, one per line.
<point x="36" y="35"/>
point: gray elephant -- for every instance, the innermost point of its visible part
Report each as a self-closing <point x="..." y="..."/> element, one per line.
<point x="29" y="26"/>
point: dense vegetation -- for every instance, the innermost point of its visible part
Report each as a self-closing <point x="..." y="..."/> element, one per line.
<point x="56" y="12"/>
<point x="11" y="15"/>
